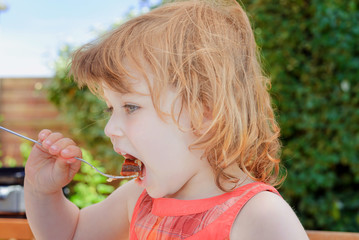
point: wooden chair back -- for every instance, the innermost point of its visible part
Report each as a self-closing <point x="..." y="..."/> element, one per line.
<point x="329" y="235"/>
<point x="12" y="228"/>
<point x="15" y="228"/>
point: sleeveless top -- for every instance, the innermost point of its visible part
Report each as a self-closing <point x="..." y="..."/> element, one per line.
<point x="173" y="219"/>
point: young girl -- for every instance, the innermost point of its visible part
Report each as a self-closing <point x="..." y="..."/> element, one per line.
<point x="188" y="99"/>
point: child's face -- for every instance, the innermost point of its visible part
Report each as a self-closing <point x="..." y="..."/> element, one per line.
<point x="135" y="128"/>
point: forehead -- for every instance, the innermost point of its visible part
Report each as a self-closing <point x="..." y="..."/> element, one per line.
<point x="138" y="87"/>
<point x="135" y="79"/>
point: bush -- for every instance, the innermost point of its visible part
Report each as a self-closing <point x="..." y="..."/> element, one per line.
<point x="25" y="149"/>
<point x="88" y="186"/>
<point x="310" y="49"/>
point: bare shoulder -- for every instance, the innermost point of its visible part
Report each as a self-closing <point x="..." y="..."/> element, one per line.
<point x="267" y="216"/>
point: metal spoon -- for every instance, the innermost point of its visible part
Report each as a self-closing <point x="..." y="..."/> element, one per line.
<point x="111" y="177"/>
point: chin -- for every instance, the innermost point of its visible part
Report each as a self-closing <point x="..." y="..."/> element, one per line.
<point x="158" y="192"/>
<point x="155" y="194"/>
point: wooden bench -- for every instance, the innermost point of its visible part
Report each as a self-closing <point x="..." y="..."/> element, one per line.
<point x="15" y="228"/>
<point x="329" y="235"/>
<point x="19" y="229"/>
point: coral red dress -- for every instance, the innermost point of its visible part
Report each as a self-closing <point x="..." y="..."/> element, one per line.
<point x="173" y="219"/>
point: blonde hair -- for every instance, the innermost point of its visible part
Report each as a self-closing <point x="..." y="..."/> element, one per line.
<point x="206" y="51"/>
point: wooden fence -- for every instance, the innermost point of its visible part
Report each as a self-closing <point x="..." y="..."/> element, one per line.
<point x="24" y="108"/>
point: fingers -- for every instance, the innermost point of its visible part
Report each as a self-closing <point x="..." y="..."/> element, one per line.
<point x="56" y="144"/>
<point x="43" y="134"/>
<point x="70" y="152"/>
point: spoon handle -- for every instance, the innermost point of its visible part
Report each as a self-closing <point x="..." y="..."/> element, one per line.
<point x="80" y="159"/>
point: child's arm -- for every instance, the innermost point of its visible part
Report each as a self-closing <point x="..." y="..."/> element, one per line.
<point x="49" y="168"/>
<point x="109" y="219"/>
<point x="51" y="215"/>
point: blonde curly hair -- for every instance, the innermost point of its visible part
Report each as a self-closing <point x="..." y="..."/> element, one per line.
<point x="206" y="51"/>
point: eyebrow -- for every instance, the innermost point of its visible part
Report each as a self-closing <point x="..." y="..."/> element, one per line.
<point x="136" y="94"/>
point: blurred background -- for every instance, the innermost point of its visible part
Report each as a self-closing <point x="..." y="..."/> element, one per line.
<point x="310" y="50"/>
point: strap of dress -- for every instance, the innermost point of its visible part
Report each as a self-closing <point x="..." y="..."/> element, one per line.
<point x="221" y="227"/>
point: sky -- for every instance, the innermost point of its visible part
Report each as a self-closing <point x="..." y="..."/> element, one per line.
<point x="33" y="32"/>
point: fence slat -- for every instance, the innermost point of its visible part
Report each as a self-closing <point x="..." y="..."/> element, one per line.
<point x="24" y="108"/>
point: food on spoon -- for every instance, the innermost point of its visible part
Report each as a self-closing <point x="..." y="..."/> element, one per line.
<point x="131" y="167"/>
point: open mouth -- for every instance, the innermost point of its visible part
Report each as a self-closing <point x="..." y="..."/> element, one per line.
<point x="132" y="167"/>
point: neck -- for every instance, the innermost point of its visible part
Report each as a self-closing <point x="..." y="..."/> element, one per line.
<point x="199" y="186"/>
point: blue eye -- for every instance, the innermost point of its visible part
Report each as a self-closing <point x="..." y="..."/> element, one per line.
<point x="130" y="108"/>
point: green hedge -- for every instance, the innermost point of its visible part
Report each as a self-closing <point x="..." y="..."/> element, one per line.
<point x="310" y="50"/>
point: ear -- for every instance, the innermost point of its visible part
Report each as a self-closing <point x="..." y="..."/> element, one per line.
<point x="207" y="117"/>
<point x="207" y="120"/>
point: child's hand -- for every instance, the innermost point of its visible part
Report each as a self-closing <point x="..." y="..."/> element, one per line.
<point x="52" y="165"/>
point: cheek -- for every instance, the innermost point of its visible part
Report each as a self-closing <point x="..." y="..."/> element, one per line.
<point x="162" y="146"/>
<point x="108" y="128"/>
<point x="149" y="137"/>
<point x="154" y="138"/>
<point x="166" y="151"/>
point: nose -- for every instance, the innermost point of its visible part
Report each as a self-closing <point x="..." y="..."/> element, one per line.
<point x="113" y="128"/>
